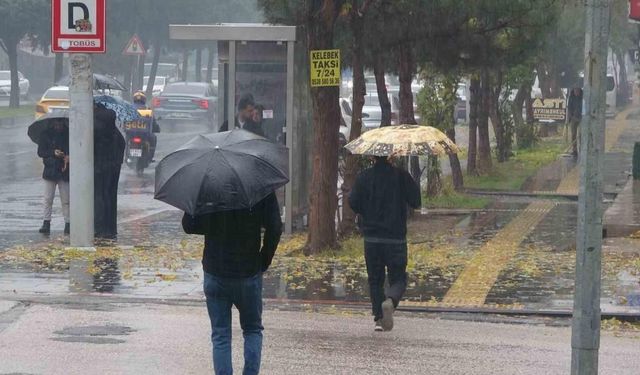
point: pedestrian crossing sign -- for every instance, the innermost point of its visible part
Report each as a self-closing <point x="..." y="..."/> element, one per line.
<point x="134" y="47"/>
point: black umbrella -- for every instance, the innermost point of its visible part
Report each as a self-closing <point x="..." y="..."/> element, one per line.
<point x="100" y="82"/>
<point x="44" y="123"/>
<point x="221" y="171"/>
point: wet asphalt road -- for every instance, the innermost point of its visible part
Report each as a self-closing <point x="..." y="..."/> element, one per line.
<point x="21" y="186"/>
<point x="174" y="339"/>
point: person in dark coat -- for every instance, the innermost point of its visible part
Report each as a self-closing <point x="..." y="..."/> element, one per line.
<point x="244" y="118"/>
<point x="380" y="197"/>
<point x="255" y="126"/>
<point x="109" y="146"/>
<point x="234" y="258"/>
<point x="53" y="148"/>
<point x="574" y="116"/>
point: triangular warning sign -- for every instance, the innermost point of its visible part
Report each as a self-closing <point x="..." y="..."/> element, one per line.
<point x="134" y="47"/>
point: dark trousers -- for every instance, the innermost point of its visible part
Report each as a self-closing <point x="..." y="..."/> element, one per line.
<point x="246" y="295"/>
<point x="575" y="142"/>
<point x="106" y="201"/>
<point x="385" y="260"/>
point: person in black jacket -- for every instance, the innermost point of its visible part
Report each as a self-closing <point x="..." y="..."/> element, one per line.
<point x="53" y="148"/>
<point x="574" y="116"/>
<point x="108" y="151"/>
<point x="234" y="259"/>
<point x="244" y="118"/>
<point x="380" y="197"/>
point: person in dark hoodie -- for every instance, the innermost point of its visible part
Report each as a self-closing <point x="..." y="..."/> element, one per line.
<point x="574" y="116"/>
<point x="108" y="151"/>
<point x="53" y="148"/>
<point x="234" y="258"/>
<point x="380" y="197"/>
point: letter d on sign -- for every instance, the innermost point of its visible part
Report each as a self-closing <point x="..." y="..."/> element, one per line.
<point x="71" y="7"/>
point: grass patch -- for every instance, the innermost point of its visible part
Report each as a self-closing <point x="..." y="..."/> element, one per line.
<point x="22" y="111"/>
<point x="512" y="174"/>
<point x="450" y="198"/>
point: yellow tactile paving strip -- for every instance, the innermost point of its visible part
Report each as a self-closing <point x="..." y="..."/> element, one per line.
<point x="477" y="279"/>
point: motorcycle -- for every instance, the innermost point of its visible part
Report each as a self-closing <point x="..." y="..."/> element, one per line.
<point x="141" y="141"/>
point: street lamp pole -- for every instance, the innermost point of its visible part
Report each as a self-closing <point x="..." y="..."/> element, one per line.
<point x="585" y="340"/>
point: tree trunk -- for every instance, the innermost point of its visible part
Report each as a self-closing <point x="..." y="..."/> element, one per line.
<point x="623" y="81"/>
<point x="12" y="51"/>
<point x="454" y="161"/>
<point x="528" y="101"/>
<point x="474" y="103"/>
<point x="139" y="79"/>
<point x="210" y="61"/>
<point x="185" y="65"/>
<point x="154" y="69"/>
<point x="326" y="124"/>
<point x="381" y="85"/>
<point x="434" y="183"/>
<point x="484" y="145"/>
<point x="128" y="76"/>
<point x="348" y="224"/>
<point x="496" y="119"/>
<point x="406" y="70"/>
<point x="58" y="67"/>
<point x="516" y="112"/>
<point x="199" y="64"/>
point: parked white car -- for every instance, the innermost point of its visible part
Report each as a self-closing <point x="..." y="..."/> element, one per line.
<point x="5" y="84"/>
<point x="158" y="84"/>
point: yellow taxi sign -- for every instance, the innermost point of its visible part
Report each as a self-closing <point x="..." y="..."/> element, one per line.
<point x="325" y="68"/>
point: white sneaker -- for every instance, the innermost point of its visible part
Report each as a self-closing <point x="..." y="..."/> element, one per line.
<point x="378" y="327"/>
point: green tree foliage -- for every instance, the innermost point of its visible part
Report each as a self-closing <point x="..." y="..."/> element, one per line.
<point x="20" y="20"/>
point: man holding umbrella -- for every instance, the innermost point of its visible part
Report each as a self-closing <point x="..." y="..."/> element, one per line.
<point x="52" y="137"/>
<point x="381" y="196"/>
<point x="225" y="183"/>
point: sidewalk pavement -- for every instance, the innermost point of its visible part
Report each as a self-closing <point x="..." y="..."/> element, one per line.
<point x="482" y="274"/>
<point x="622" y="218"/>
<point x="115" y="338"/>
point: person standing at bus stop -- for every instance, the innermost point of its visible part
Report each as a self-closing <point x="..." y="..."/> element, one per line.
<point x="53" y="148"/>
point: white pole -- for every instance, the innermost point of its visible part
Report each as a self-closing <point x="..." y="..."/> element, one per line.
<point x="290" y="134"/>
<point x="585" y="340"/>
<point x="81" y="150"/>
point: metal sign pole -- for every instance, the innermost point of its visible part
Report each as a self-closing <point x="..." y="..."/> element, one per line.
<point x="585" y="340"/>
<point x="81" y="150"/>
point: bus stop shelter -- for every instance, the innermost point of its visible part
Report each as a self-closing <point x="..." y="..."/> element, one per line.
<point x="256" y="59"/>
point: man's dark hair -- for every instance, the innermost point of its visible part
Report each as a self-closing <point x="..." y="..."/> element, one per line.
<point x="383" y="159"/>
<point x="245" y="101"/>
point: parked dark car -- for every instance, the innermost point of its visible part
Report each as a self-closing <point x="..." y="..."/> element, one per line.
<point x="186" y="102"/>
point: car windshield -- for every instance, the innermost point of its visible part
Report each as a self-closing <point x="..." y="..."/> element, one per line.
<point x="57" y="94"/>
<point x="182" y="88"/>
<point x="5" y="76"/>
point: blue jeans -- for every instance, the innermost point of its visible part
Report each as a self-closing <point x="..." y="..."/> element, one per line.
<point x="246" y="295"/>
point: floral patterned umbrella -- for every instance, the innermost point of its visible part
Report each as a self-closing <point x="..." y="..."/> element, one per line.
<point x="403" y="140"/>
